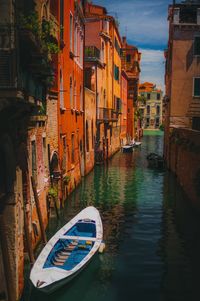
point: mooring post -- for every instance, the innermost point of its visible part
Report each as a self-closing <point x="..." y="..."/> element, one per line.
<point x="44" y="238"/>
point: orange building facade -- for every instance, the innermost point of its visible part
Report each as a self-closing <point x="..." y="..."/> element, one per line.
<point x="71" y="96"/>
<point x="131" y="58"/>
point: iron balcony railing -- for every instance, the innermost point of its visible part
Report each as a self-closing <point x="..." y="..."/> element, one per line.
<point x="92" y="53"/>
<point x="107" y="115"/>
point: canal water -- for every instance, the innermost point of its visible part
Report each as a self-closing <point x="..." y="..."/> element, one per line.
<point x="152" y="234"/>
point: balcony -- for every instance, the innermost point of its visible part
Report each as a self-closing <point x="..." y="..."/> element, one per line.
<point x="92" y="54"/>
<point x="107" y="115"/>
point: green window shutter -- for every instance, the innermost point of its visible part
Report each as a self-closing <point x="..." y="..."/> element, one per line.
<point x="197" y="46"/>
<point x="197" y="86"/>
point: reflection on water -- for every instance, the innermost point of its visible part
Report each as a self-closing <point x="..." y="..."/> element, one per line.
<point x="151" y="234"/>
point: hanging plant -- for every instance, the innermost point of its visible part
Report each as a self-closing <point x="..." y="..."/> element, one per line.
<point x="66" y="179"/>
<point x="53" y="192"/>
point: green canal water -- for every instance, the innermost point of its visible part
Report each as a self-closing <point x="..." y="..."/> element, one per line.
<point x="152" y="235"/>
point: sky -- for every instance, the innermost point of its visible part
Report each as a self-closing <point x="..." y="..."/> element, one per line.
<point x="145" y="24"/>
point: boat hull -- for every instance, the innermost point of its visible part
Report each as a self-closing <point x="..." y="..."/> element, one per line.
<point x="128" y="149"/>
<point x="50" y="289"/>
<point x="68" y="252"/>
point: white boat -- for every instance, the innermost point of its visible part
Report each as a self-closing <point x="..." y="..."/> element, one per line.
<point x="134" y="143"/>
<point x="137" y="143"/>
<point x="127" y="149"/>
<point x="68" y="251"/>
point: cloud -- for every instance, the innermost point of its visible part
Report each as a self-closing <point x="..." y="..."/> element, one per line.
<point x="152" y="67"/>
<point x="143" y="21"/>
<point x="145" y="24"/>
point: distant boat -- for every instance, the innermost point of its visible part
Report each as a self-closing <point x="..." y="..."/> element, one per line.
<point x="127" y="148"/>
<point x="137" y="143"/>
<point x="68" y="251"/>
<point x="155" y="161"/>
<point x="134" y="143"/>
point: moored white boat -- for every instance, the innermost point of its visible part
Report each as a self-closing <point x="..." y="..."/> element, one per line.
<point x="127" y="149"/>
<point x="68" y="251"/>
<point x="137" y="143"/>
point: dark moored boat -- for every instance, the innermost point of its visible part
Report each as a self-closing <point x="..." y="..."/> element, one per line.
<point x="155" y="161"/>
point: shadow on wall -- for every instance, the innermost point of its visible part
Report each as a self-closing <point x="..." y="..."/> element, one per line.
<point x="7" y="169"/>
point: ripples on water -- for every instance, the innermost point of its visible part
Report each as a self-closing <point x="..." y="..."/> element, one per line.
<point x="152" y="237"/>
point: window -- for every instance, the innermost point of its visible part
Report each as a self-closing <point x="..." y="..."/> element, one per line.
<point x="81" y="99"/>
<point x="81" y="50"/>
<point x="61" y="91"/>
<point x="117" y="47"/>
<point x="118" y="104"/>
<point x="196" y="91"/>
<point x="34" y="161"/>
<point x="75" y="40"/>
<point x="188" y="15"/>
<point x="148" y="110"/>
<point x="158" y="110"/>
<point x="128" y="58"/>
<point x="74" y="105"/>
<point x="73" y="150"/>
<point x="148" y="96"/>
<point x="87" y="137"/>
<point x="44" y="151"/>
<point x="158" y="96"/>
<point x="197" y="45"/>
<point x="102" y="52"/>
<point x="157" y="122"/>
<point x="61" y="20"/>
<point x="116" y="72"/>
<point x="71" y="32"/>
<point x="64" y="159"/>
<point x="196" y="123"/>
<point x="71" y="92"/>
<point x="147" y="122"/>
<point x="92" y="135"/>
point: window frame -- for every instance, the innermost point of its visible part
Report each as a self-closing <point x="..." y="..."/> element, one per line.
<point x="194" y="78"/>
<point x="195" y="37"/>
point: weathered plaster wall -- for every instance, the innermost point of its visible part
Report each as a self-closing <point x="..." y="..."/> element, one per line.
<point x="184" y="160"/>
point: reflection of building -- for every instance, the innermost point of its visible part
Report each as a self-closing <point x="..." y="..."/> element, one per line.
<point x="150" y="105"/>
<point x="124" y="91"/>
